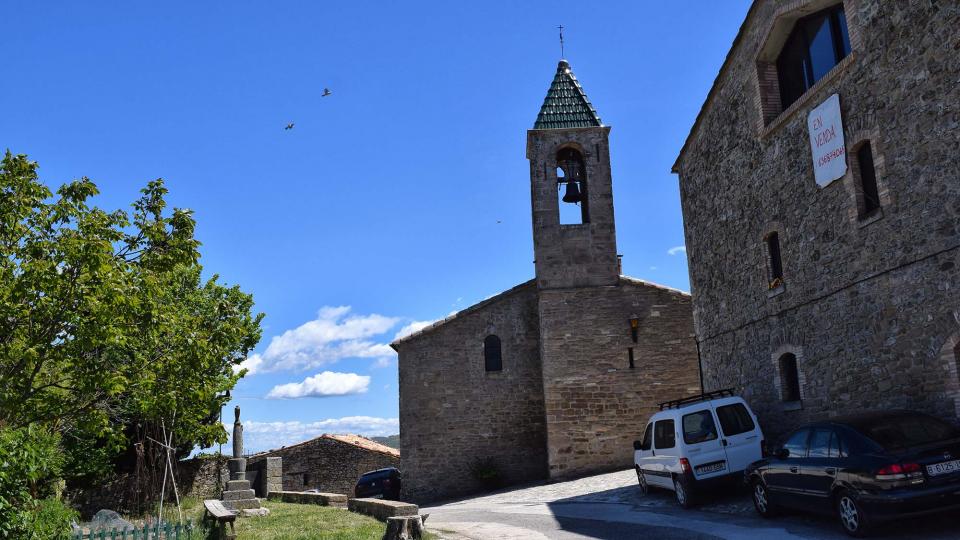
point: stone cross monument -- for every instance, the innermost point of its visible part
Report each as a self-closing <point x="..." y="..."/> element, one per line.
<point x="238" y="496"/>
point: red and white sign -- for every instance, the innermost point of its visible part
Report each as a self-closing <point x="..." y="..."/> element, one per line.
<point x="826" y="141"/>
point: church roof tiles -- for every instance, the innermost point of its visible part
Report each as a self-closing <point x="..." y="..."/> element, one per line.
<point x="566" y="104"/>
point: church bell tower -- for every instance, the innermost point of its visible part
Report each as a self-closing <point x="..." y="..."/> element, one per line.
<point x="574" y="238"/>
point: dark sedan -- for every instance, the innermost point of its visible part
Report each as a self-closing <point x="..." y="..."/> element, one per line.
<point x="864" y="469"/>
<point x="380" y="484"/>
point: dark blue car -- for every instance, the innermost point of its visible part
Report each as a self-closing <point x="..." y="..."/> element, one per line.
<point x="381" y="484"/>
<point x="864" y="469"/>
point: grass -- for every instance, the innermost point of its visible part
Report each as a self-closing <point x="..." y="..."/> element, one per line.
<point x="288" y="521"/>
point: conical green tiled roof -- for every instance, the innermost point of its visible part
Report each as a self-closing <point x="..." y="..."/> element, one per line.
<point x="566" y="105"/>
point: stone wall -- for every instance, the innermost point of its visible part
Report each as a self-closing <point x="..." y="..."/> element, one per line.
<point x="323" y="463"/>
<point x="198" y="477"/>
<point x="596" y="405"/>
<point x="453" y="412"/>
<point x="868" y="306"/>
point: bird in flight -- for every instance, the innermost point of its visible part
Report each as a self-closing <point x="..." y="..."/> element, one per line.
<point x="289" y="126"/>
<point x="326" y="92"/>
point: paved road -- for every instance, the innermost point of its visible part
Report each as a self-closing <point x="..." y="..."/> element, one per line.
<point x="609" y="506"/>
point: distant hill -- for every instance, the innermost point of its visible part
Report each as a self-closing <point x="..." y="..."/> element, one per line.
<point x="393" y="441"/>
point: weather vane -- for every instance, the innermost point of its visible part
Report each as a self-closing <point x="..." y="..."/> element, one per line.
<point x="561" y="40"/>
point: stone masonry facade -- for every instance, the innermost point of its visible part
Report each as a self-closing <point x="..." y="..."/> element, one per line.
<point x="869" y="305"/>
<point x="329" y="463"/>
<point x="453" y="413"/>
<point x="567" y="401"/>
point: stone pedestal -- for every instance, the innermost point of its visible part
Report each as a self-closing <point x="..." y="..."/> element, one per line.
<point x="238" y="495"/>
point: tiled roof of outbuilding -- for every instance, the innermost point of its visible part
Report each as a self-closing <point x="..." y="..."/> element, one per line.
<point x="566" y="104"/>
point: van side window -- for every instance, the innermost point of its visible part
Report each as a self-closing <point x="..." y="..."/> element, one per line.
<point x="647" y="438"/>
<point x="698" y="427"/>
<point x="734" y="419"/>
<point x="796" y="443"/>
<point x="664" y="435"/>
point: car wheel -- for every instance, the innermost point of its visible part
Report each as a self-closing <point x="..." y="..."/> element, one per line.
<point x="761" y="499"/>
<point x="682" y="492"/>
<point x="851" y="515"/>
<point x="644" y="488"/>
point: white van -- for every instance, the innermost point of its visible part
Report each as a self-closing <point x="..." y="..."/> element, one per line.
<point x="697" y="440"/>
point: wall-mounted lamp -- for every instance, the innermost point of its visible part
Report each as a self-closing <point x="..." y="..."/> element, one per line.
<point x="634" y="326"/>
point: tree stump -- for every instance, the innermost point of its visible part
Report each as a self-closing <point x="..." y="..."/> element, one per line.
<point x="404" y="528"/>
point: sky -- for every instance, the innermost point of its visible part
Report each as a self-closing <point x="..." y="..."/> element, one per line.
<point x="398" y="199"/>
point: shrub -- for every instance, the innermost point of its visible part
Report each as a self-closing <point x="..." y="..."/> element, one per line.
<point x="50" y="519"/>
<point x="30" y="464"/>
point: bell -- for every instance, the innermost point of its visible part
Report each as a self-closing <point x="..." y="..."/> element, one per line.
<point x="572" y="194"/>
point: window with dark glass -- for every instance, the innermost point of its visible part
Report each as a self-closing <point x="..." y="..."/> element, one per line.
<point x="823" y="444"/>
<point x="492" y="356"/>
<point x="734" y="419"/>
<point x="664" y="435"/>
<point x="789" y="378"/>
<point x="796" y="443"/>
<point x="817" y="43"/>
<point x="698" y="427"/>
<point x="773" y="257"/>
<point x="647" y="438"/>
<point x="868" y="180"/>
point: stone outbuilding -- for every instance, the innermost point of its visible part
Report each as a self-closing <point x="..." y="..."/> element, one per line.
<point x="555" y="377"/>
<point x="820" y="188"/>
<point x="328" y="463"/>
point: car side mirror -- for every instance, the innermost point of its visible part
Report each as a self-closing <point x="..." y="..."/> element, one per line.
<point x="637" y="445"/>
<point x="782" y="453"/>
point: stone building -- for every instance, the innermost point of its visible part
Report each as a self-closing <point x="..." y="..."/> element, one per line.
<point x="821" y="196"/>
<point x="556" y="376"/>
<point x="329" y="463"/>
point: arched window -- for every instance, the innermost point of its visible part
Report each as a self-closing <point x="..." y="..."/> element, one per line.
<point x="572" y="183"/>
<point x="789" y="378"/>
<point x="774" y="262"/>
<point x="869" y="194"/>
<point x="492" y="355"/>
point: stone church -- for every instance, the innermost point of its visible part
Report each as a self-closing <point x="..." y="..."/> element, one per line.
<point x="820" y="188"/>
<point x="555" y="377"/>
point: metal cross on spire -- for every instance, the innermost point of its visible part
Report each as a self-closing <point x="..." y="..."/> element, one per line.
<point x="561" y="40"/>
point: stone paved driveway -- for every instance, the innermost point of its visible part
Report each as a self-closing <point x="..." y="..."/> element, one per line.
<point x="609" y="506"/>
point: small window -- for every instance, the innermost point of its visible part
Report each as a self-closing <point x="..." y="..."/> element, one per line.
<point x="492" y="356"/>
<point x="868" y="181"/>
<point x="647" y="438"/>
<point x="774" y="262"/>
<point x="796" y="443"/>
<point x="789" y="378"/>
<point x="664" y="435"/>
<point x="306" y="479"/>
<point x="821" y="443"/>
<point x="698" y="427"/>
<point x="734" y="419"/>
<point x="817" y="43"/>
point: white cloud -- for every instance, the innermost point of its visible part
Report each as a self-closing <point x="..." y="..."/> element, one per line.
<point x="677" y="249"/>
<point x="326" y="384"/>
<point x="334" y="335"/>
<point x="412" y="328"/>
<point x="252" y="364"/>
<point x="260" y="436"/>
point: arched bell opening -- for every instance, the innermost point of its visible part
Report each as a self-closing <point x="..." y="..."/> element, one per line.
<point x="572" y="184"/>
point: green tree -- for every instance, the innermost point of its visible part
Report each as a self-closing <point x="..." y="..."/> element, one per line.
<point x="109" y="336"/>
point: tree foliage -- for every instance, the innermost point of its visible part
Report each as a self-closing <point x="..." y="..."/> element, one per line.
<point x="109" y="334"/>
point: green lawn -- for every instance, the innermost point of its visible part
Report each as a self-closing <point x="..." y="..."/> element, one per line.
<point x="289" y="521"/>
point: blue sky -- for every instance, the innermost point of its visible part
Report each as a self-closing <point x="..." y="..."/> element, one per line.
<point x="398" y="199"/>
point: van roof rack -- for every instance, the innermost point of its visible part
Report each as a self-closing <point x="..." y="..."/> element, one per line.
<point x="677" y="403"/>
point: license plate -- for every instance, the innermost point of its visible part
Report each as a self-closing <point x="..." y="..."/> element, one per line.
<point x="713" y="467"/>
<point x="946" y="467"/>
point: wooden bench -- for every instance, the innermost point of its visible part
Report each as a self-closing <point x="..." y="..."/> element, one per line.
<point x="221" y="515"/>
